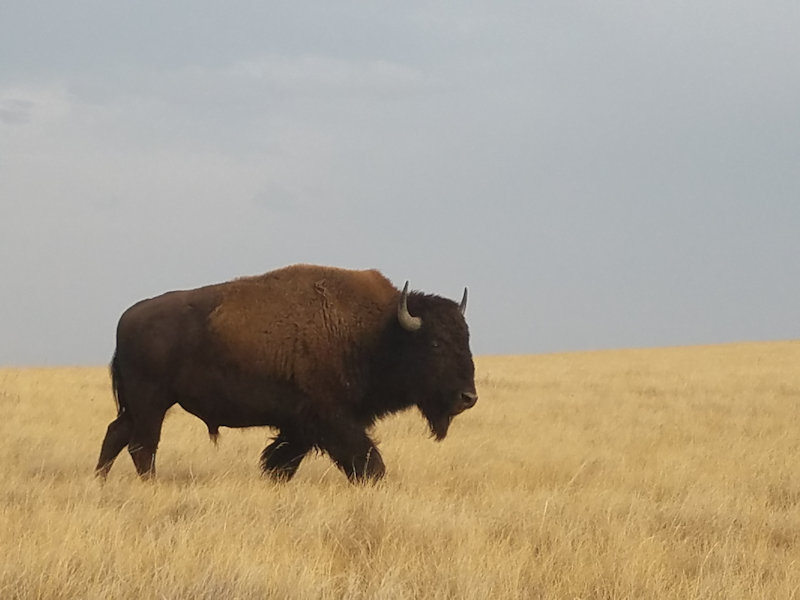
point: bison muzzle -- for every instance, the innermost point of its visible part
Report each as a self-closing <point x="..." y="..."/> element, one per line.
<point x="318" y="353"/>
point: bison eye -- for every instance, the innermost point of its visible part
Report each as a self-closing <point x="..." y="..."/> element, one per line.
<point x="435" y="344"/>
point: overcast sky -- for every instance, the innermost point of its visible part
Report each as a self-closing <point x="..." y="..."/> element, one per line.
<point x="600" y="174"/>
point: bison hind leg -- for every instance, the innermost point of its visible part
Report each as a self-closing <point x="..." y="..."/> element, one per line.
<point x="144" y="443"/>
<point x="117" y="437"/>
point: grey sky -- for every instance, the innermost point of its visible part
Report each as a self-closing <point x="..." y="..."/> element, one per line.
<point x="609" y="174"/>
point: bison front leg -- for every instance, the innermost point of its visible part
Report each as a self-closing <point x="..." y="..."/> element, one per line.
<point x="355" y="454"/>
<point x="282" y="457"/>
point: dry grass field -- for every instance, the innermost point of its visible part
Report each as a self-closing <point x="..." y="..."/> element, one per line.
<point x="668" y="473"/>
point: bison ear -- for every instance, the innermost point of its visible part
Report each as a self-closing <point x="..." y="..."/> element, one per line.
<point x="407" y="322"/>
<point x="463" y="306"/>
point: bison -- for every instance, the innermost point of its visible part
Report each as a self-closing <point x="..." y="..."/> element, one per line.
<point x="318" y="353"/>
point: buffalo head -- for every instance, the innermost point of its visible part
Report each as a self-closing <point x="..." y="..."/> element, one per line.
<point x="441" y="371"/>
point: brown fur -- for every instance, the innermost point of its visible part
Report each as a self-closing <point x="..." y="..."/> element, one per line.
<point x="304" y="323"/>
<point x="316" y="352"/>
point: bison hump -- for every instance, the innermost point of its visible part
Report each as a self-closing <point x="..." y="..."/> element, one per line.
<point x="303" y="324"/>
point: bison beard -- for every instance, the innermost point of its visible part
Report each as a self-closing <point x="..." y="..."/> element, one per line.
<point x="438" y="421"/>
<point x="318" y="353"/>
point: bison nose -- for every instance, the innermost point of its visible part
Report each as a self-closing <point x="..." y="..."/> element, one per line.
<point x="468" y="399"/>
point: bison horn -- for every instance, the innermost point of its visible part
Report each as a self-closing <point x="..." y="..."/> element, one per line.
<point x="407" y="322"/>
<point x="463" y="306"/>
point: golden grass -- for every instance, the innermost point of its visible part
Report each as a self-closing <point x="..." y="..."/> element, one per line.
<point x="669" y="473"/>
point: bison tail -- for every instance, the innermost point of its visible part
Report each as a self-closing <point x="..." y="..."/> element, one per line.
<point x="116" y="385"/>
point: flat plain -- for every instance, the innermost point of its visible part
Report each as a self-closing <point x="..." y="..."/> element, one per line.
<point x="658" y="473"/>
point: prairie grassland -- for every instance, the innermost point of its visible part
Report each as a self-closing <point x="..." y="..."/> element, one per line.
<point x="669" y="473"/>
